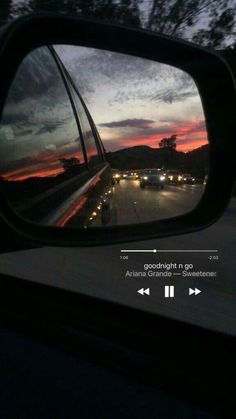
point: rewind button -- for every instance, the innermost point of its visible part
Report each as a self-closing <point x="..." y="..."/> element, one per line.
<point x="143" y="291"/>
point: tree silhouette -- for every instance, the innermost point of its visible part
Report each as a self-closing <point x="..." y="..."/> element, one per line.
<point x="182" y="18"/>
<point x="178" y="18"/>
<point x="124" y="12"/>
<point x="220" y="26"/>
<point x="70" y="164"/>
<point x="6" y="9"/>
<point x="168" y="143"/>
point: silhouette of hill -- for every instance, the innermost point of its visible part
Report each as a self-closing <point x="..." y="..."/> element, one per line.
<point x="141" y="157"/>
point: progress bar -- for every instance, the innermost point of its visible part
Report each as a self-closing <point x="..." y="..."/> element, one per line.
<point x="168" y="251"/>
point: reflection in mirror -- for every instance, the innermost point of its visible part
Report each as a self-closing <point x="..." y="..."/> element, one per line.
<point x="92" y="138"/>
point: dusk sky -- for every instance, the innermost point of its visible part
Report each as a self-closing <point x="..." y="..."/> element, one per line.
<point x="134" y="101"/>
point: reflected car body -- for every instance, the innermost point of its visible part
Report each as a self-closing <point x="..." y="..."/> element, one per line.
<point x="174" y="177"/>
<point x="188" y="178"/>
<point x="152" y="177"/>
<point x="67" y="180"/>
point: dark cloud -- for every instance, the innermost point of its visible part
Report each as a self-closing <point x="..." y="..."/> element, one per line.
<point x="49" y="127"/>
<point x="173" y="96"/>
<point x="133" y="123"/>
<point x="177" y="94"/>
<point x="144" y="128"/>
<point x="171" y="120"/>
<point x="130" y="78"/>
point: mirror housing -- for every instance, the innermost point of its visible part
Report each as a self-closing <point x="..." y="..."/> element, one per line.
<point x="216" y="88"/>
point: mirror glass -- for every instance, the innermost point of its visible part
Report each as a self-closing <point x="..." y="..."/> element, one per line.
<point x="92" y="138"/>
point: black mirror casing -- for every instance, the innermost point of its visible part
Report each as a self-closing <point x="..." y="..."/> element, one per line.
<point x="216" y="88"/>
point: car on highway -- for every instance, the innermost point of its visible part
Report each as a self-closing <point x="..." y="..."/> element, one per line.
<point x="124" y="175"/>
<point x="188" y="178"/>
<point x="152" y="177"/>
<point x="130" y="174"/>
<point x="174" y="177"/>
<point x="116" y="176"/>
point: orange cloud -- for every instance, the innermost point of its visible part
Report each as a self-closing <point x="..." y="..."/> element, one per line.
<point x="190" y="135"/>
<point x="45" y="165"/>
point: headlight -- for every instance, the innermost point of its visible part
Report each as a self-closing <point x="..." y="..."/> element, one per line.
<point x="193" y="179"/>
<point x="145" y="177"/>
<point x="162" y="178"/>
<point x="185" y="178"/>
<point x="180" y="178"/>
<point x="116" y="176"/>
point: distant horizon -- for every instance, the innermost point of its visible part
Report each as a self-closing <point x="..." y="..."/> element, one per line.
<point x="158" y="148"/>
<point x="140" y="131"/>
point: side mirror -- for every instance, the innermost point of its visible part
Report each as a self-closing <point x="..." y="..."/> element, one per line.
<point x="110" y="134"/>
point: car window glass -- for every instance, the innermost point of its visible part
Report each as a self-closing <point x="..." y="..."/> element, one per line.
<point x="40" y="144"/>
<point x="93" y="155"/>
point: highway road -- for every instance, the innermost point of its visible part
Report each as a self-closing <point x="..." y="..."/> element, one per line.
<point x="101" y="272"/>
<point x="131" y="204"/>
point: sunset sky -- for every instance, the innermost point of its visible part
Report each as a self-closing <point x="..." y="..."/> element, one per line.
<point x="132" y="101"/>
<point x="135" y="101"/>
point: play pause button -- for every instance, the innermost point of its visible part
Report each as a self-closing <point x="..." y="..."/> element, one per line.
<point x="169" y="291"/>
